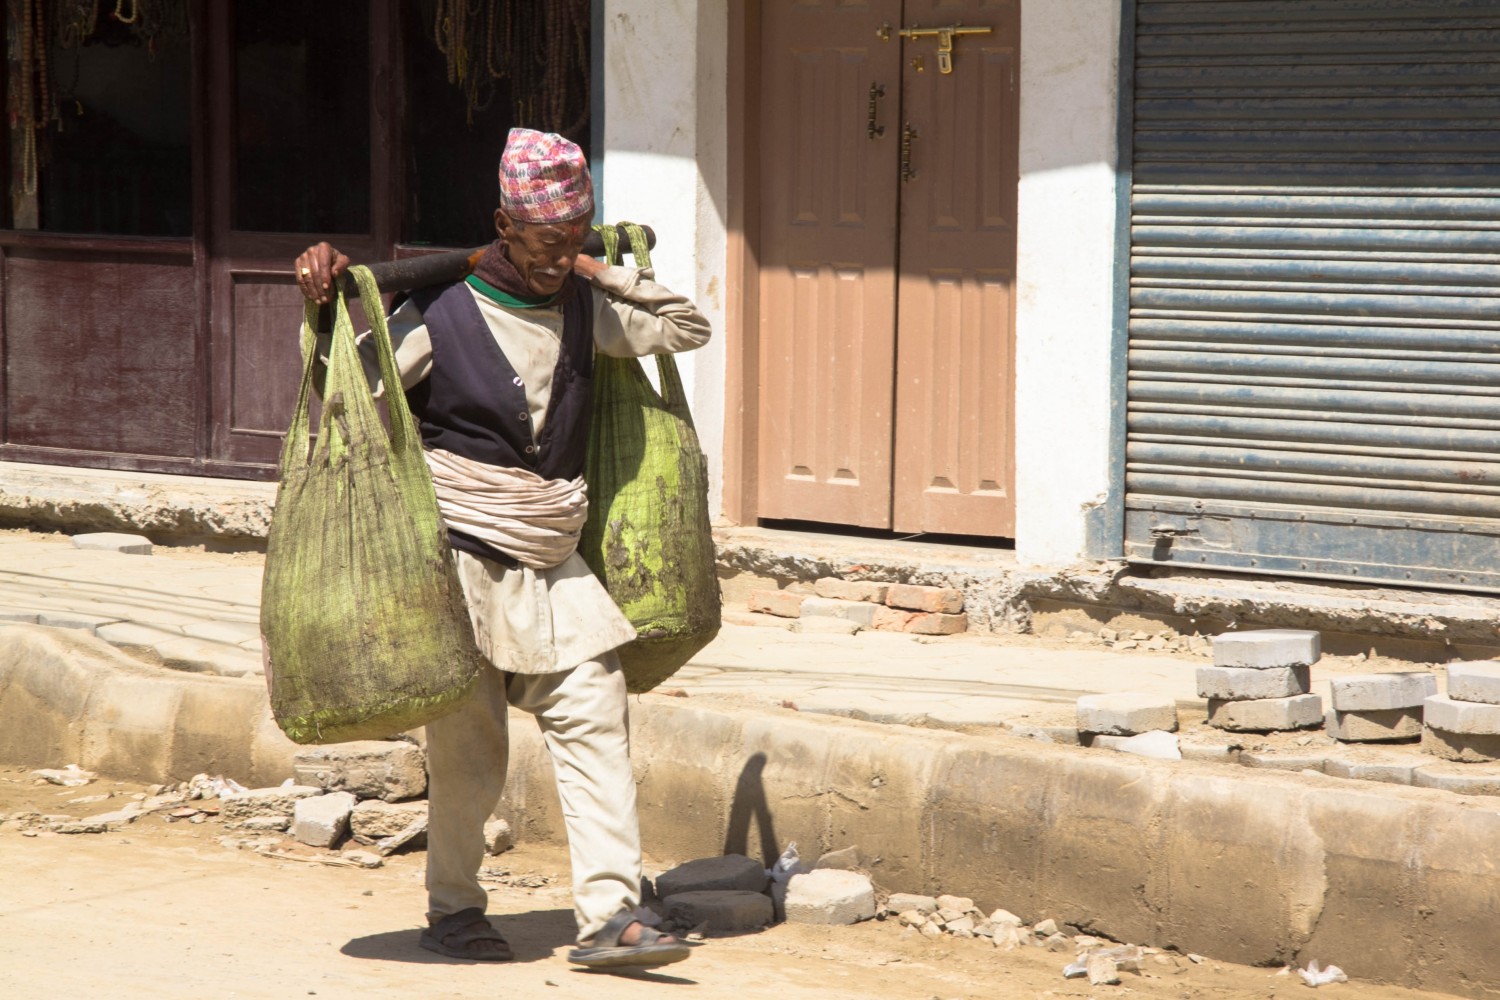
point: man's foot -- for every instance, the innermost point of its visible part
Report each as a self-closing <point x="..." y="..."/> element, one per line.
<point x="625" y="942"/>
<point x="467" y="934"/>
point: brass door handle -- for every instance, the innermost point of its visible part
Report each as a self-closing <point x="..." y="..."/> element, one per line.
<point x="907" y="135"/>
<point x="872" y="129"/>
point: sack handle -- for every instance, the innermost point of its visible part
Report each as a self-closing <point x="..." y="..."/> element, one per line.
<point x="672" y="392"/>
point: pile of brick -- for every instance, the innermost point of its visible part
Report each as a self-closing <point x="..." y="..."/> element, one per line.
<point x="847" y="606"/>
<point x="1464" y="724"/>
<point x="1260" y="681"/>
<point x="1379" y="708"/>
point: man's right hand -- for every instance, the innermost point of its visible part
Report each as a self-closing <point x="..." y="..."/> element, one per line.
<point x="317" y="269"/>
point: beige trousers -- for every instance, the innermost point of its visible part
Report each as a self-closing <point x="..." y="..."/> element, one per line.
<point x="582" y="715"/>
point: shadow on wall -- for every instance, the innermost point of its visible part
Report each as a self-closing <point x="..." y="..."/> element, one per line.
<point x="749" y="804"/>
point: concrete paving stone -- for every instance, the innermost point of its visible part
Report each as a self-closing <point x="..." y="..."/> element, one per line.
<point x="134" y="635"/>
<point x="1392" y="772"/>
<point x="1215" y="752"/>
<point x="724" y="911"/>
<point x="852" y="590"/>
<point x="911" y="597"/>
<point x="392" y="770"/>
<point x="374" y="820"/>
<point x="776" y="602"/>
<point x="1247" y="683"/>
<point x="113" y="541"/>
<point x="1462" y="779"/>
<point x="238" y="808"/>
<point x="219" y="630"/>
<point x="1470" y="748"/>
<point x="322" y="820"/>
<point x="829" y="896"/>
<point x="1477" y="682"/>
<point x="1126" y="713"/>
<point x="1292" y="760"/>
<point x="823" y="625"/>
<point x="1375" y="727"/>
<point x="1264" y="648"/>
<point x="1265" y="715"/>
<point x="74" y="619"/>
<point x="832" y="607"/>
<point x="731" y="871"/>
<point x="17" y="616"/>
<point x="902" y="902"/>
<point x="1381" y="692"/>
<point x="204" y="656"/>
<point x="1470" y="718"/>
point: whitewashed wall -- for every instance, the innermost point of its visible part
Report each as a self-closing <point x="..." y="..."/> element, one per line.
<point x="1065" y="274"/>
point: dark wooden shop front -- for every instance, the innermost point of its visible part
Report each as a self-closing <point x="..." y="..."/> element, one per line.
<point x="167" y="161"/>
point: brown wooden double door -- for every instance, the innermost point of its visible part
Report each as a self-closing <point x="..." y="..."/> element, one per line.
<point x="886" y="251"/>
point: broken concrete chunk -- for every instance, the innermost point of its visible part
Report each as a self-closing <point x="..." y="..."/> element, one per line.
<point x="829" y="896"/>
<point x="414" y="834"/>
<point x="71" y="776"/>
<point x="1478" y="681"/>
<point x="1266" y="648"/>
<point x="497" y="837"/>
<point x="240" y="808"/>
<point x="903" y="902"/>
<point x="114" y="541"/>
<point x="322" y="820"/>
<point x="1126" y="713"/>
<point x="732" y="871"/>
<point x="720" y="911"/>
<point x="374" y="819"/>
<point x="393" y="770"/>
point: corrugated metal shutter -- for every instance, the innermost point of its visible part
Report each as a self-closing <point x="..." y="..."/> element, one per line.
<point x="1314" y="371"/>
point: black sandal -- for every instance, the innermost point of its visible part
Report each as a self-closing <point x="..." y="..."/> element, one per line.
<point x="456" y="935"/>
<point x="604" y="950"/>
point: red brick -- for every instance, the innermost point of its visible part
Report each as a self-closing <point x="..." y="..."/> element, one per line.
<point x="936" y="623"/>
<point x="852" y="590"/>
<point x="941" y="599"/>
<point x="891" y="619"/>
<point x="782" y="603"/>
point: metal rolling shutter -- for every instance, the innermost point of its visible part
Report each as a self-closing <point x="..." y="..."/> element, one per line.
<point x="1314" y="367"/>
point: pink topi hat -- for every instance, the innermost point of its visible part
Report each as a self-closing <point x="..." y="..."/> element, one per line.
<point x="544" y="178"/>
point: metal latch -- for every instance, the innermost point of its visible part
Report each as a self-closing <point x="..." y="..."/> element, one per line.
<point x="944" y="38"/>
<point x="1167" y="532"/>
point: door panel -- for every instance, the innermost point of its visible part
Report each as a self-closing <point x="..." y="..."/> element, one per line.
<point x="827" y="246"/>
<point x="954" y="400"/>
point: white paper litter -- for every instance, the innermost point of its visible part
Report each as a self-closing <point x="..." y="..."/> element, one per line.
<point x="1313" y="976"/>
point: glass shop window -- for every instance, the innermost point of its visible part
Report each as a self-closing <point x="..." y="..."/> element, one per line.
<point x="98" y="95"/>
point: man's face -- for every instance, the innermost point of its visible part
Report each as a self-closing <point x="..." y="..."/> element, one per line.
<point x="543" y="252"/>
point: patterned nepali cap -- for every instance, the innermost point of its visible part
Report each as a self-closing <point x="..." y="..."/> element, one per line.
<point x="544" y="178"/>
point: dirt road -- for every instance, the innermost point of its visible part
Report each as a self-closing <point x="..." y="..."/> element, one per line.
<point x="161" y="910"/>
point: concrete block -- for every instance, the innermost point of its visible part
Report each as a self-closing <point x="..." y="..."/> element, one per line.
<point x="497" y="837"/>
<point x="322" y="820"/>
<point x="725" y="911"/>
<point x="1390" y="771"/>
<point x="1382" y="692"/>
<point x="114" y="541"/>
<point x="914" y="598"/>
<point x="822" y="625"/>
<point x="238" y="808"/>
<point x="1470" y="718"/>
<point x="829" y="896"/>
<point x="892" y="619"/>
<point x="936" y="623"/>
<point x="852" y="590"/>
<point x="74" y="619"/>
<point x="1263" y="715"/>
<point x="374" y="819"/>
<point x="782" y="603"/>
<point x="902" y="902"/>
<point x="1126" y="713"/>
<point x="1470" y="748"/>
<point x="1474" y="682"/>
<point x="1462" y="779"/>
<point x="1264" y="648"/>
<point x="392" y="770"/>
<point x="1375" y="727"/>
<point x="1248" y="683"/>
<point x="831" y="607"/>
<point x="732" y="871"/>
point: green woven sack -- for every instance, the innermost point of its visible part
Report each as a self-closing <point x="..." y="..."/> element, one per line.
<point x="362" y="617"/>
<point x="648" y="536"/>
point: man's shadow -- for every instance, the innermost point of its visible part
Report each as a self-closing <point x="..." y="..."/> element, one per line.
<point x="750" y="803"/>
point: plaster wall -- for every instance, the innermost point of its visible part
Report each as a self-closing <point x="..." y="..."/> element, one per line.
<point x="1066" y="256"/>
<point x="664" y="165"/>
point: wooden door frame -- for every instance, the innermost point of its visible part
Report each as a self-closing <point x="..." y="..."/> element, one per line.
<point x="742" y="267"/>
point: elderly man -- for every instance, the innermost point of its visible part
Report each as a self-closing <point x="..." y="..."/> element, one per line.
<point x="498" y="370"/>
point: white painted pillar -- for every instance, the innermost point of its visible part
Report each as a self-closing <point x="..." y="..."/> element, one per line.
<point x="1066" y="253"/>
<point x="664" y="165"/>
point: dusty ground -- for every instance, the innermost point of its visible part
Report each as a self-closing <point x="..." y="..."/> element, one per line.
<point x="162" y="910"/>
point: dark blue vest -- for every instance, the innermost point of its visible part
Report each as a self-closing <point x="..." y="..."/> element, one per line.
<point x="473" y="403"/>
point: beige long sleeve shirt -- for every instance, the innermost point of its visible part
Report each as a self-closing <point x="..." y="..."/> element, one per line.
<point x="545" y="620"/>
